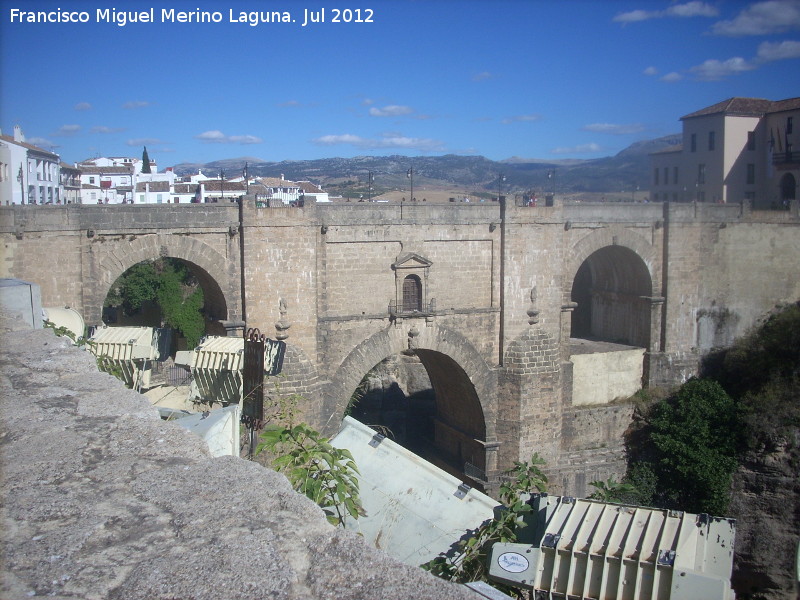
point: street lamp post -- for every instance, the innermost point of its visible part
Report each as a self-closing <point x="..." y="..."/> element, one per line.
<point x="500" y="179"/>
<point x="369" y="186"/>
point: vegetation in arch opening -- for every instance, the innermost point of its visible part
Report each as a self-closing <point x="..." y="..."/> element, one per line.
<point x="167" y="284"/>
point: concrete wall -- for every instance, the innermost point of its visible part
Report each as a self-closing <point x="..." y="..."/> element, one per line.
<point x="602" y="377"/>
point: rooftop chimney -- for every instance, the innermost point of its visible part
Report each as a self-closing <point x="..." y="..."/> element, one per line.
<point x="18" y="135"/>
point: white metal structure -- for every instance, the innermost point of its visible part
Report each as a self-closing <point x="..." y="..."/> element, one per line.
<point x="581" y="548"/>
<point x="66" y="317"/>
<point x="216" y="365"/>
<point x="130" y="349"/>
<point x="415" y="511"/>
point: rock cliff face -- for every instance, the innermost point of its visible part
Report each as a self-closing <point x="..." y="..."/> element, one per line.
<point x="102" y="499"/>
<point x="766" y="505"/>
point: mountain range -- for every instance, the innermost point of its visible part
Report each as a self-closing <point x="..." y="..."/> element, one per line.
<point x="627" y="170"/>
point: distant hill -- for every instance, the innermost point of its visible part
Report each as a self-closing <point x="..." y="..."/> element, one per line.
<point x="628" y="168"/>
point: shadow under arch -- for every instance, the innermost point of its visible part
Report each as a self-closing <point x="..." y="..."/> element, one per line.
<point x="612" y="290"/>
<point x="205" y="263"/>
<point x="462" y="382"/>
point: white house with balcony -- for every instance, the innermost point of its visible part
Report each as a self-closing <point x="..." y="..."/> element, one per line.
<point x="28" y="174"/>
<point x="738" y="150"/>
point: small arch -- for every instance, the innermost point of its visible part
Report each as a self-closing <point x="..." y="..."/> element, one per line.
<point x="206" y="264"/>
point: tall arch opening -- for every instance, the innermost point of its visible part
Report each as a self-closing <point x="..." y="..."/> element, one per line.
<point x="611" y="290"/>
<point x="426" y="402"/>
<point x="197" y="304"/>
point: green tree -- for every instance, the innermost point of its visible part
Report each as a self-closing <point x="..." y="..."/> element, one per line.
<point x="169" y="283"/>
<point x="137" y="285"/>
<point x="145" y="161"/>
<point x="695" y="434"/>
<point x="181" y="302"/>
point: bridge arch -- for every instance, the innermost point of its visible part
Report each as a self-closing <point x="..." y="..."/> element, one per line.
<point x="611" y="288"/>
<point x="462" y="381"/>
<point x="207" y="264"/>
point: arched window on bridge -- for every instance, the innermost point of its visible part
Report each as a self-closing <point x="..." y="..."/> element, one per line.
<point x="411" y="283"/>
<point x="412" y="294"/>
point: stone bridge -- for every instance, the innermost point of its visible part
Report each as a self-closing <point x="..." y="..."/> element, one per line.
<point x="502" y="305"/>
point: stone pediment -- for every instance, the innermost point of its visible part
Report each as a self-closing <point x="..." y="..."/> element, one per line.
<point x="411" y="260"/>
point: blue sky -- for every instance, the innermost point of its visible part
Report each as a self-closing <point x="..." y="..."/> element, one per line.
<point x="528" y="78"/>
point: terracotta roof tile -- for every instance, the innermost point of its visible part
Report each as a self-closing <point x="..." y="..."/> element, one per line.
<point x="10" y="139"/>
<point x="744" y="107"/>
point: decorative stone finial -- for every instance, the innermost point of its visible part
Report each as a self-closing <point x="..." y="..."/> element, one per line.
<point x="413" y="343"/>
<point x="282" y="326"/>
<point x="533" y="314"/>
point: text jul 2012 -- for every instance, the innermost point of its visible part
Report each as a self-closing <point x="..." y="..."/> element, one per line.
<point x="122" y="18"/>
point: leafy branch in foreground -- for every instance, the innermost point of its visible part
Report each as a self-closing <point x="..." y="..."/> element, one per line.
<point x="612" y="490"/>
<point x="325" y="474"/>
<point x="467" y="560"/>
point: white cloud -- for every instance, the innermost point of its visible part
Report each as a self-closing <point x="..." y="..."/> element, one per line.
<point x="104" y="129"/>
<point x="144" y="142"/>
<point x="635" y="16"/>
<point x="387" y="140"/>
<point x="393" y="110"/>
<point x="768" y="51"/>
<point x="42" y="143"/>
<point x="685" y="10"/>
<point x="691" y="9"/>
<point x="135" y="104"/>
<point x="67" y="130"/>
<point x="650" y="71"/>
<point x="672" y="77"/>
<point x="483" y="76"/>
<point x="217" y="137"/>
<point x="614" y="129"/>
<point x="83" y="106"/>
<point x="579" y="149"/>
<point x="762" y="18"/>
<point x="714" y="70"/>
<point x="522" y="119"/>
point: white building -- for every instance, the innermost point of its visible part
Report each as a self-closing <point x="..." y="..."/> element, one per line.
<point x="738" y="150"/>
<point x="28" y="174"/>
<point x="106" y="184"/>
<point x="310" y="190"/>
<point x="274" y="188"/>
<point x="70" y="179"/>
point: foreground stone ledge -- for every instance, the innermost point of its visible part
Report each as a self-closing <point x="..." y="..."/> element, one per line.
<point x="101" y="499"/>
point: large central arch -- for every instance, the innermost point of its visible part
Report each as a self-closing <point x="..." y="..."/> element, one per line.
<point x="461" y="380"/>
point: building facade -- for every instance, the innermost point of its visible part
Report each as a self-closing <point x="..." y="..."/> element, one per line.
<point x="739" y="150"/>
<point x="28" y="174"/>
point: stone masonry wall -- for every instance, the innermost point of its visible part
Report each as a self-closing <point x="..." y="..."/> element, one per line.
<point x="103" y="500"/>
